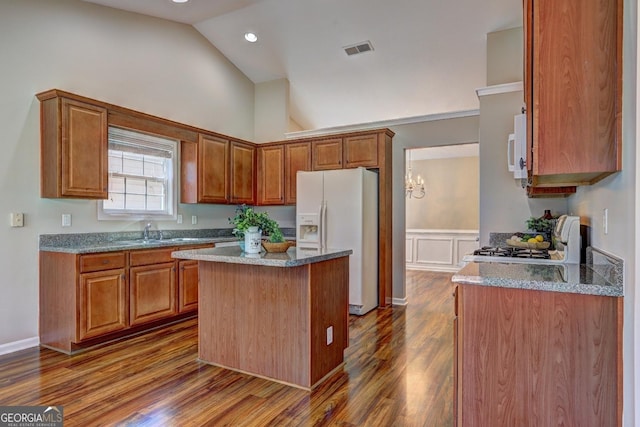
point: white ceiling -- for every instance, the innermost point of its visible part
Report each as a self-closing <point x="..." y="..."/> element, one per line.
<point x="429" y="55"/>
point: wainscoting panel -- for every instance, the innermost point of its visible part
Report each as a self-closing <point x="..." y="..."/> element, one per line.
<point x="438" y="250"/>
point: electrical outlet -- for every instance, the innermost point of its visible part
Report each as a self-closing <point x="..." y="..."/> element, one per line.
<point x="66" y="220"/>
<point x="329" y="335"/>
<point x="179" y="218"/>
<point x="194" y="219"/>
<point x="605" y="221"/>
<point x="17" y="220"/>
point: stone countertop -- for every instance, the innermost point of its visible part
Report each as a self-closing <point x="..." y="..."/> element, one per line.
<point x="293" y="257"/>
<point x="85" y="243"/>
<point x="570" y="278"/>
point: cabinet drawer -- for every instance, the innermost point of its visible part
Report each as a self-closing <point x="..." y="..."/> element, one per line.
<point x="150" y="256"/>
<point x="103" y="261"/>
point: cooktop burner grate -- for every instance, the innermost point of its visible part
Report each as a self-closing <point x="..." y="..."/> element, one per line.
<point x="512" y="252"/>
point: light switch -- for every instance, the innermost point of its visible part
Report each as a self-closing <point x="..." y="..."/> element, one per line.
<point x="66" y="220"/>
<point x="179" y="218"/>
<point x="17" y="219"/>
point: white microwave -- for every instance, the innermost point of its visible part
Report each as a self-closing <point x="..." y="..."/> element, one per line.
<point x="517" y="148"/>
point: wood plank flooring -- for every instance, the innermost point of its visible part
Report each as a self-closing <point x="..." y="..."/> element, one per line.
<point x="398" y="372"/>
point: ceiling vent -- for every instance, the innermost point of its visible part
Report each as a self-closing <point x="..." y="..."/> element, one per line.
<point x="361" y="47"/>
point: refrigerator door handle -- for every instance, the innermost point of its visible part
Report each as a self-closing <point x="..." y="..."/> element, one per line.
<point x="323" y="221"/>
<point x="320" y="226"/>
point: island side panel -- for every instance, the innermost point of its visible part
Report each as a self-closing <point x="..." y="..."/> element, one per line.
<point x="255" y="319"/>
<point x="329" y="307"/>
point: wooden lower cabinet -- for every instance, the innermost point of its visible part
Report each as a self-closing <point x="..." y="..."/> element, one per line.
<point x="87" y="299"/>
<point x="187" y="286"/>
<point x="152" y="292"/>
<point x="537" y="358"/>
<point x="102" y="304"/>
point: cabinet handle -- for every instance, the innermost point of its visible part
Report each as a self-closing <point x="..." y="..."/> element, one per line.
<point x="105" y="261"/>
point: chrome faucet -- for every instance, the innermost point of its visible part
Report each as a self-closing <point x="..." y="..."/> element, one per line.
<point x="145" y="234"/>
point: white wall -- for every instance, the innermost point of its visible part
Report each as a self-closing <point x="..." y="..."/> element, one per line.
<point x="271" y="110"/>
<point x="147" y="64"/>
<point x="460" y="130"/>
<point x="504" y="205"/>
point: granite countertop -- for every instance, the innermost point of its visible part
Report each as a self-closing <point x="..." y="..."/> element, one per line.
<point x="85" y="243"/>
<point x="293" y="257"/>
<point x="602" y="277"/>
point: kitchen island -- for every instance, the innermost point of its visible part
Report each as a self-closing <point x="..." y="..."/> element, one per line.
<point x="280" y="316"/>
<point x="539" y="344"/>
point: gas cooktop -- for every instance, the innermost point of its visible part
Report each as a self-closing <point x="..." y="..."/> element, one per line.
<point x="512" y="252"/>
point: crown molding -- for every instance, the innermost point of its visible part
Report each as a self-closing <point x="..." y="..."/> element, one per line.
<point x="381" y="124"/>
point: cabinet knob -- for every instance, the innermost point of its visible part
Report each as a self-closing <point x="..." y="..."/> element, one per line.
<point x="105" y="261"/>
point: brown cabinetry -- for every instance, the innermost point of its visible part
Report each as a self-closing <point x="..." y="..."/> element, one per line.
<point x="152" y="290"/>
<point x="73" y="146"/>
<point x="534" y="358"/>
<point x="102" y="295"/>
<point x="216" y="170"/>
<point x="327" y="154"/>
<point x="297" y="157"/>
<point x="271" y="173"/>
<point x="573" y="67"/>
<point x="204" y="170"/>
<point x="187" y="286"/>
<point x="91" y="298"/>
<point x="361" y="150"/>
<point x="243" y="170"/>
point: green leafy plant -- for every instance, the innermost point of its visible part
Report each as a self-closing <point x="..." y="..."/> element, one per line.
<point x="541" y="225"/>
<point x="245" y="217"/>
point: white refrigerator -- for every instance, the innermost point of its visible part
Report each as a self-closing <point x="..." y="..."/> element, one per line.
<point x="338" y="209"/>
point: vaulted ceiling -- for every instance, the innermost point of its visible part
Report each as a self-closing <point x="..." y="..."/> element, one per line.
<point x="428" y="56"/>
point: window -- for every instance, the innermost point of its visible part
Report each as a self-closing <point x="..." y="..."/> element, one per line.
<point x="141" y="176"/>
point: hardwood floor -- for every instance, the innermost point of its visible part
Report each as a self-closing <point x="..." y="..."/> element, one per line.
<point x="398" y="371"/>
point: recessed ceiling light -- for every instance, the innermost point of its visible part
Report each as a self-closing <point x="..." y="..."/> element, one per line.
<point x="250" y="37"/>
<point x="180" y="1"/>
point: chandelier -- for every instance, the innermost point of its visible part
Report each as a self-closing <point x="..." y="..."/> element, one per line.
<point x="413" y="187"/>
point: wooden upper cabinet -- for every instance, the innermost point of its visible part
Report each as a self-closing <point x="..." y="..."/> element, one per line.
<point x="243" y="160"/>
<point x="213" y="169"/>
<point x="73" y="148"/>
<point x="327" y="154"/>
<point x="297" y="157"/>
<point x="271" y="171"/>
<point x="361" y="151"/>
<point x="573" y="78"/>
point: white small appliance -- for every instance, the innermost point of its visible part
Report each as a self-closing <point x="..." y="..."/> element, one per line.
<point x="517" y="148"/>
<point x="338" y="209"/>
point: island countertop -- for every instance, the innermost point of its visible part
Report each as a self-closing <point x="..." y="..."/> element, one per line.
<point x="293" y="257"/>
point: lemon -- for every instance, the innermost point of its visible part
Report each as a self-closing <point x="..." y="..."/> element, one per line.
<point x="532" y="240"/>
<point x="540" y="238"/>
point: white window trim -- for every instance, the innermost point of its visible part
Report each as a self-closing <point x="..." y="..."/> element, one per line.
<point x="172" y="189"/>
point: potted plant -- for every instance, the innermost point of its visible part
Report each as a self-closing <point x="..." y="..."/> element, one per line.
<point x="246" y="216"/>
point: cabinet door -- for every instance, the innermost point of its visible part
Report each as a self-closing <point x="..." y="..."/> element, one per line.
<point x="327" y="154"/>
<point x="243" y="159"/>
<point x="73" y="149"/>
<point x="187" y="286"/>
<point x="152" y="292"/>
<point x="297" y="157"/>
<point x="102" y="303"/>
<point x="213" y="169"/>
<point x="361" y="151"/>
<point x="271" y="175"/>
<point x="576" y="90"/>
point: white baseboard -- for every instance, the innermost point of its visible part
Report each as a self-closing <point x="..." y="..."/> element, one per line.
<point x="399" y="301"/>
<point x="14" y="346"/>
